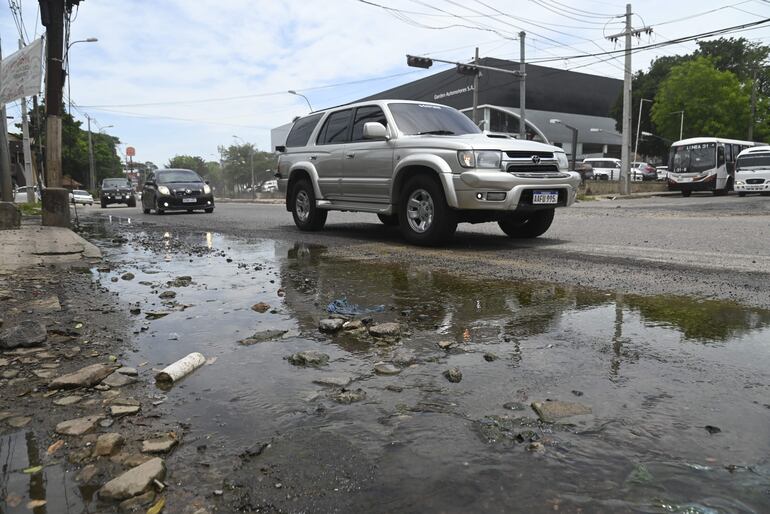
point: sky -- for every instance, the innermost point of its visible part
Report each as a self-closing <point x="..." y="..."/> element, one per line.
<point x="181" y="77"/>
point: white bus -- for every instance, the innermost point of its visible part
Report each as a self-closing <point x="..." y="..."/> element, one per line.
<point x="704" y="164"/>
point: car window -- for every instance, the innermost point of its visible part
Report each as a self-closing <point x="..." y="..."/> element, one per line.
<point x="367" y="114"/>
<point x="116" y="182"/>
<point x="171" y="176"/>
<point x="336" y="128"/>
<point x="300" y="132"/>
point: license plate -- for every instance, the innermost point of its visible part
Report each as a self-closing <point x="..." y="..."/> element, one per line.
<point x="188" y="200"/>
<point x="545" y="197"/>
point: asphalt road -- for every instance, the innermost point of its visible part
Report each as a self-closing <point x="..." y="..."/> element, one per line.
<point x="703" y="246"/>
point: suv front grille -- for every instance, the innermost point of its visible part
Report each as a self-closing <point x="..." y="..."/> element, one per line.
<point x="755" y="181"/>
<point x="529" y="168"/>
<point x="181" y="193"/>
<point x="523" y="154"/>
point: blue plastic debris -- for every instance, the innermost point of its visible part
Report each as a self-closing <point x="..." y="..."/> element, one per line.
<point x="342" y="306"/>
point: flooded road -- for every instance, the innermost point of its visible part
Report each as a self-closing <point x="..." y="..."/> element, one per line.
<point x="673" y="393"/>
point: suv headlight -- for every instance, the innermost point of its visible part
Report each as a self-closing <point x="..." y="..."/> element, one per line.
<point x="206" y="189"/>
<point x="487" y="159"/>
<point x="561" y="160"/>
<point x="163" y="190"/>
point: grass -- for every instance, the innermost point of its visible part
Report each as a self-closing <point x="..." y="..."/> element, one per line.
<point x="31" y="209"/>
<point x="582" y="197"/>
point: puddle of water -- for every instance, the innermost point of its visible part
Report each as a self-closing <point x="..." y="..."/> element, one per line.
<point x="655" y="372"/>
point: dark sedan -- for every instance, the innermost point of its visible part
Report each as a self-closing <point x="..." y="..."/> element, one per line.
<point x="176" y="190"/>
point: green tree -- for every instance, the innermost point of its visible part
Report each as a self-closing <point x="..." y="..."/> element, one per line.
<point x="237" y="161"/>
<point x="715" y="102"/>
<point x="188" y="162"/>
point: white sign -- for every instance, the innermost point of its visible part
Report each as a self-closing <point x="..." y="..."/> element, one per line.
<point x="21" y="73"/>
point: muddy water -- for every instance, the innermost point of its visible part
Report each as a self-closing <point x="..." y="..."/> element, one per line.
<point x="654" y="371"/>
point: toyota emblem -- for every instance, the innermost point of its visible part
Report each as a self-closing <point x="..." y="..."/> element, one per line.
<point x="536" y="159"/>
<point x="188" y="191"/>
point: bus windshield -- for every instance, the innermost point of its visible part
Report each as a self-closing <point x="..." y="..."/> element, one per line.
<point x="757" y="160"/>
<point x="692" y="158"/>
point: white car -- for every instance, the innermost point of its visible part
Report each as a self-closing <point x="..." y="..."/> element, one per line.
<point x="20" y="195"/>
<point x="752" y="171"/>
<point x="605" y="168"/>
<point x="80" y="196"/>
<point x="269" y="186"/>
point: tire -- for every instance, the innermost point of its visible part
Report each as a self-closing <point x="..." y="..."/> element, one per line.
<point x="146" y="211"/>
<point x="686" y="194"/>
<point x="158" y="210"/>
<point x="307" y="216"/>
<point x="209" y="210"/>
<point x="527" y="225"/>
<point x="190" y="211"/>
<point x="132" y="203"/>
<point x="390" y="220"/>
<point x="104" y="204"/>
<point x="741" y="194"/>
<point x="424" y="217"/>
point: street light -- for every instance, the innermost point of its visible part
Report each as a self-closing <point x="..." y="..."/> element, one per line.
<point x="555" y="121"/>
<point x="251" y="159"/>
<point x="681" y="122"/>
<point x="292" y="92"/>
<point x="67" y="60"/>
<point x="650" y="134"/>
<point x="639" y="127"/>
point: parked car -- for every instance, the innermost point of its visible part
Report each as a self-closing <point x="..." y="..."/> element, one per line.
<point x="82" y="197"/>
<point x="605" y="168"/>
<point x="176" y="190"/>
<point x="423" y="167"/>
<point x="116" y="190"/>
<point x="644" y="171"/>
<point x="662" y="172"/>
<point x="20" y="194"/>
<point x="752" y="171"/>
<point x="269" y="186"/>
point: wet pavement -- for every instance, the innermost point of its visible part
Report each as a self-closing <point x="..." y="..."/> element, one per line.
<point x="677" y="388"/>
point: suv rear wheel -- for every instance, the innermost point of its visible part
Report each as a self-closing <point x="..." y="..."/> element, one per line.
<point x="307" y="216"/>
<point x="526" y="226"/>
<point x="424" y="216"/>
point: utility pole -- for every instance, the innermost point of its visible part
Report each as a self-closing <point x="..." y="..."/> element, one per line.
<point x="753" y="110"/>
<point x="91" y="167"/>
<point x="522" y="90"/>
<point x="476" y="89"/>
<point x="625" y="151"/>
<point x="639" y="127"/>
<point x="6" y="186"/>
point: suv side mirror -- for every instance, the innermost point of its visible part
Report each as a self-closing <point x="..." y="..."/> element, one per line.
<point x="374" y="130"/>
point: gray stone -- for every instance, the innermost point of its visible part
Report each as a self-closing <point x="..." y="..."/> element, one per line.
<point x="308" y="358"/>
<point x="10" y="373"/>
<point x="386" y="368"/>
<point x="47" y="304"/>
<point x="453" y="375"/>
<point x="490" y="357"/>
<point x="403" y="357"/>
<point x="118" y="380"/>
<point x="330" y="325"/>
<point x="87" y="473"/>
<point x="167" y="295"/>
<point x="334" y="381"/>
<point x="135" y="459"/>
<point x="25" y="334"/>
<point x="445" y="345"/>
<point x="123" y="410"/>
<point x="78" y="426"/>
<point x="264" y="336"/>
<point x="137" y="503"/>
<point x="385" y="330"/>
<point x="10" y="216"/>
<point x="84" y="377"/>
<point x="4" y="362"/>
<point x="348" y="395"/>
<point x="108" y="444"/>
<point x="355" y="324"/>
<point x="44" y="373"/>
<point x="134" y="481"/>
<point x="260" y="307"/>
<point x="182" y="281"/>
<point x="550" y="411"/>
<point x="131" y="372"/>
<point x="163" y="444"/>
<point x="67" y="400"/>
<point x="18" y="421"/>
<point x="127" y="276"/>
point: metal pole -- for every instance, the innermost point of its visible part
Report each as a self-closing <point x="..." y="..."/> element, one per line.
<point x="574" y="147"/>
<point x="638" y="129"/>
<point x="681" y="126"/>
<point x="476" y="89"/>
<point x="753" y="108"/>
<point x="625" y="169"/>
<point x="6" y="185"/>
<point x="253" y="192"/>
<point x="91" y="167"/>
<point x="522" y="89"/>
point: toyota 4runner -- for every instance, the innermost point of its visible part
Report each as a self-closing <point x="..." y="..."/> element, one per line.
<point x="116" y="190"/>
<point x="422" y="166"/>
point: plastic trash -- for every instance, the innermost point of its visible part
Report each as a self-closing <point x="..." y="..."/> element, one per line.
<point x="180" y="368"/>
<point x="342" y="306"/>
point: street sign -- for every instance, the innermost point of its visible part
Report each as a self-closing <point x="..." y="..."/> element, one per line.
<point x="130" y="151"/>
<point x="21" y="73"/>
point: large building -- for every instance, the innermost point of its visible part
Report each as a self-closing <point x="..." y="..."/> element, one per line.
<point x="578" y="100"/>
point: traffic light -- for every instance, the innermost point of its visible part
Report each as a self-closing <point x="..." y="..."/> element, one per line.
<point x="418" y="62"/>
<point x="467" y="69"/>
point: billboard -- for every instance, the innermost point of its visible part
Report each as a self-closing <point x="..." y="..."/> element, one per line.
<point x="21" y="73"/>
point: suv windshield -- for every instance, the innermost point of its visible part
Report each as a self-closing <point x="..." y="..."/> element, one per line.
<point x="116" y="182"/>
<point x="170" y="176"/>
<point x="417" y="119"/>
<point x="757" y="160"/>
<point x="692" y="158"/>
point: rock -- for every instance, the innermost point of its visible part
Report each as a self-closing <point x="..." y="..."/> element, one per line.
<point x="78" y="426"/>
<point x="47" y="304"/>
<point x="517" y="406"/>
<point x="49" y="365"/>
<point x="79" y="455"/>
<point x="355" y="324"/>
<point x="44" y="373"/>
<point x="155" y="314"/>
<point x="453" y="375"/>
<point x="182" y="281"/>
<point x="264" y="336"/>
<point x="308" y="358"/>
<point x="394" y="388"/>
<point x="26" y="334"/>
<point x="334" y="381"/>
<point x="260" y="307"/>
<point x="4" y="362"/>
<point x="108" y="444"/>
<point x="349" y="396"/>
<point x="131" y="372"/>
<point x="163" y="444"/>
<point x="5" y="415"/>
<point x="127" y="276"/>
<point x="134" y="481"/>
<point x="132" y="402"/>
<point x="403" y="357"/>
<point x="331" y="325"/>
<point x="490" y="357"/>
<point x="71" y="353"/>
<point x="67" y="400"/>
<point x="86" y="474"/>
<point x="445" y="345"/>
<point x="550" y="411"/>
<point x="106" y="422"/>
<point x="711" y="429"/>
<point x="118" y="380"/>
<point x="123" y="410"/>
<point x="135" y="459"/>
<point x="10" y="373"/>
<point x="18" y="421"/>
<point x="536" y="447"/>
<point x="138" y="503"/>
<point x="167" y="295"/>
<point x="385" y="330"/>
<point x="386" y="368"/>
<point x="85" y="377"/>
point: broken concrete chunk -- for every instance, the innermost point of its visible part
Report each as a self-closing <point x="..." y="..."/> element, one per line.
<point x="67" y="400"/>
<point x="163" y="444"/>
<point x="118" y="380"/>
<point x="108" y="444"/>
<point x="26" y="334"/>
<point x="85" y="377"/>
<point x="124" y="410"/>
<point x="134" y="481"/>
<point x="77" y="426"/>
<point x="551" y="411"/>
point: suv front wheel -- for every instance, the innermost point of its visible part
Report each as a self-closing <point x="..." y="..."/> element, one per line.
<point x="424" y="216"/>
<point x="526" y="226"/>
<point x="307" y="216"/>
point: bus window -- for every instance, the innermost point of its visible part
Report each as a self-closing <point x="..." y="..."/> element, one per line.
<point x="736" y="150"/>
<point x="728" y="153"/>
<point x="720" y="155"/>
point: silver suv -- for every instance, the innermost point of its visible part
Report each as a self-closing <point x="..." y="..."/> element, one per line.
<point x="422" y="166"/>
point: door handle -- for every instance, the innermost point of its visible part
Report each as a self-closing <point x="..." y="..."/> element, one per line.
<point x="350" y="155"/>
<point x="313" y="157"/>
